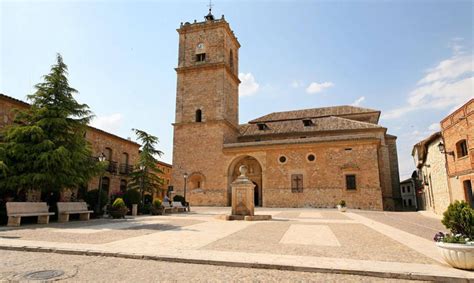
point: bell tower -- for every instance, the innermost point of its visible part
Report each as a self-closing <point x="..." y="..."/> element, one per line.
<point x="206" y="104"/>
<point x="207" y="72"/>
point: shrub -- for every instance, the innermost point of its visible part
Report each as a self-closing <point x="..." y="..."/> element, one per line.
<point x="180" y="199"/>
<point x="156" y="203"/>
<point x="342" y="203"/>
<point x="144" y="209"/>
<point x="118" y="203"/>
<point x="156" y="208"/>
<point x="91" y="198"/>
<point x="459" y="219"/>
<point x="131" y="197"/>
<point x="115" y="196"/>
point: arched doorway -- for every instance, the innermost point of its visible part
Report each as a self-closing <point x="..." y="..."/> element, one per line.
<point x="254" y="173"/>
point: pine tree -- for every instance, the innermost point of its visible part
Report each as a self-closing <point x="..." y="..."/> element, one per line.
<point x="46" y="147"/>
<point x="145" y="176"/>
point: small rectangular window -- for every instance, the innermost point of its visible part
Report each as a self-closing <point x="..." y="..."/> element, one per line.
<point x="462" y="148"/>
<point x="262" y="126"/>
<point x="308" y="122"/>
<point x="351" y="182"/>
<point x="297" y="183"/>
<point x="201" y="57"/>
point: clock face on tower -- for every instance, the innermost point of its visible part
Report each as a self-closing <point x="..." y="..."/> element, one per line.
<point x="200" y="46"/>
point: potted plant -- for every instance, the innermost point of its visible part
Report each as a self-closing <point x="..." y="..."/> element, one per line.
<point x="342" y="206"/>
<point x="157" y="208"/>
<point x="457" y="247"/>
<point x="118" y="209"/>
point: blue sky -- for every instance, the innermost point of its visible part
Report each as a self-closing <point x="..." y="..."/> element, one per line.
<point x="413" y="60"/>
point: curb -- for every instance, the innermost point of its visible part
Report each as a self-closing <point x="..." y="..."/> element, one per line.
<point x="379" y="274"/>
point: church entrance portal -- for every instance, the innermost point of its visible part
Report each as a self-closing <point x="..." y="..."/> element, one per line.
<point x="254" y="173"/>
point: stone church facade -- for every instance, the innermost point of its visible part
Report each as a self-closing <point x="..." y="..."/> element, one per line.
<point x="303" y="158"/>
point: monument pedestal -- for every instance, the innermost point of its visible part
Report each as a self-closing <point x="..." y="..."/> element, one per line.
<point x="243" y="206"/>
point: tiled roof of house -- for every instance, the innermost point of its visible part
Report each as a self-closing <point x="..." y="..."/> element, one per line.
<point x="12" y="99"/>
<point x="323" y="124"/>
<point x="422" y="147"/>
<point x="344" y="110"/>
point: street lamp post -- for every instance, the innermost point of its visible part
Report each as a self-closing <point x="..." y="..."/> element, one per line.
<point x="142" y="168"/>
<point x="101" y="158"/>
<point x="185" y="182"/>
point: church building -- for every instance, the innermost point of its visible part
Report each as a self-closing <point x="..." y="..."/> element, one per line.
<point x="303" y="158"/>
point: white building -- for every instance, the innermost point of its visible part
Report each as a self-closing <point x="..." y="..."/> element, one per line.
<point x="408" y="193"/>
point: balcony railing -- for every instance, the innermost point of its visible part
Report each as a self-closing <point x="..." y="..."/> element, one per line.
<point x="112" y="167"/>
<point x="125" y="169"/>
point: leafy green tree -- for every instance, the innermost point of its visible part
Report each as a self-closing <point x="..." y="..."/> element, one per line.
<point x="46" y="147"/>
<point x="145" y="176"/>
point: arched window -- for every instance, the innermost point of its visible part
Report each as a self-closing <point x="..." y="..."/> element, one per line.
<point x="105" y="184"/>
<point x="125" y="158"/>
<point x="196" y="181"/>
<point x="231" y="59"/>
<point x="108" y="154"/>
<point x="198" y="115"/>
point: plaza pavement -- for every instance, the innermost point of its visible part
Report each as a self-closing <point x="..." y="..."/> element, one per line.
<point x="312" y="240"/>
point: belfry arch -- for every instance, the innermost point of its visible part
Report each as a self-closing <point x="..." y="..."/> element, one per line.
<point x="254" y="173"/>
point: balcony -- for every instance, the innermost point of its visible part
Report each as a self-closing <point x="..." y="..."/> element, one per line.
<point x="125" y="169"/>
<point x="112" y="167"/>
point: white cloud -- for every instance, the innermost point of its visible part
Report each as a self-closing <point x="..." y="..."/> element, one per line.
<point x="315" y="87"/>
<point x="248" y="85"/>
<point x="110" y="123"/>
<point x="434" y="127"/>
<point x="449" y="84"/>
<point x="358" y="101"/>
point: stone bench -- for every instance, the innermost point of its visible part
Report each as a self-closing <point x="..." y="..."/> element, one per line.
<point x="178" y="206"/>
<point x="167" y="207"/>
<point x="17" y="210"/>
<point x="67" y="208"/>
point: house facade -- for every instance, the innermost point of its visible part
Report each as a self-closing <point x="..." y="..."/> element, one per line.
<point x="121" y="154"/>
<point x="458" y="140"/>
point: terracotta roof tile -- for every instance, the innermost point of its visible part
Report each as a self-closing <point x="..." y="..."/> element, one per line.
<point x="323" y="124"/>
<point x="315" y="113"/>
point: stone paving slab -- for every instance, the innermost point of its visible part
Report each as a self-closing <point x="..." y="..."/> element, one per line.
<point x="421" y="245"/>
<point x="321" y="235"/>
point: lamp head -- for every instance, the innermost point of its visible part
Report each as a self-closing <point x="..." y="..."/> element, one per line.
<point x="102" y="157"/>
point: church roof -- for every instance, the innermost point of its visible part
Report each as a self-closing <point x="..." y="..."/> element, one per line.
<point x="344" y="110"/>
<point x="322" y="124"/>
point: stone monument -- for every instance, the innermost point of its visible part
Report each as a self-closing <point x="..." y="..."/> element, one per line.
<point x="243" y="205"/>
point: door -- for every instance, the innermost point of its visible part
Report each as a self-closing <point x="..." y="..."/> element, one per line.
<point x="468" y="192"/>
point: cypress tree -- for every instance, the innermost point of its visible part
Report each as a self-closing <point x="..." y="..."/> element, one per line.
<point x="145" y="176"/>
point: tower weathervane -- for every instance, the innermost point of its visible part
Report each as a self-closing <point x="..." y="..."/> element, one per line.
<point x="209" y="16"/>
<point x="210" y="5"/>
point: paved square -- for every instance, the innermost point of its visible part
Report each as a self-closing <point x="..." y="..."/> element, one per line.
<point x="316" y="235"/>
<point x="298" y="238"/>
